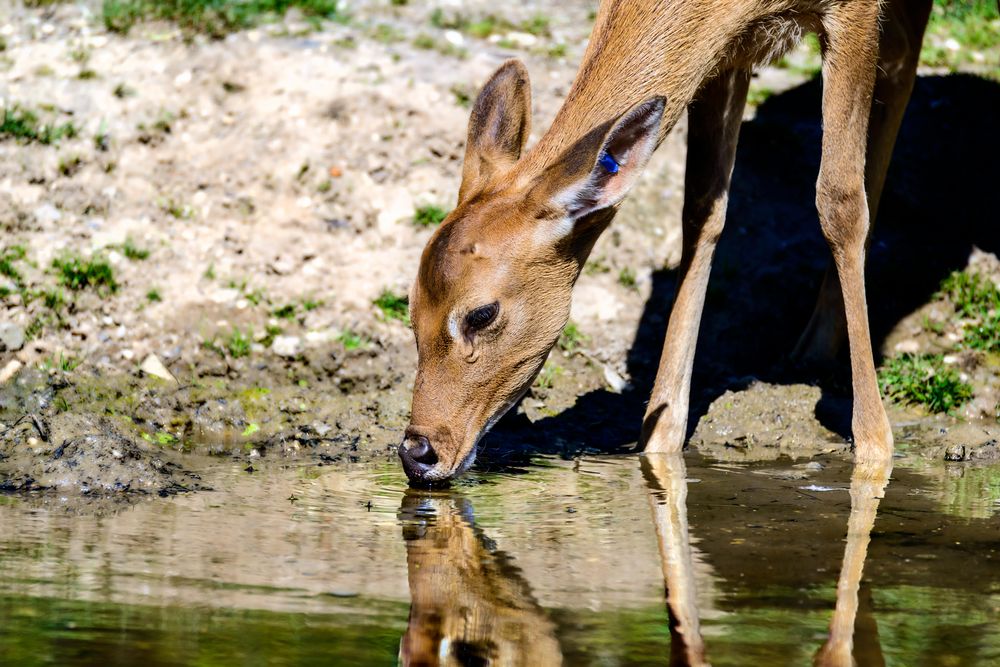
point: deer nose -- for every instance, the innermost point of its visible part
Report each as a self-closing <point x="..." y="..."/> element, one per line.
<point x="418" y="456"/>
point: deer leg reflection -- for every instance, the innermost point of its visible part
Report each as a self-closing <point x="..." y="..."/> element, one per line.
<point x="666" y="476"/>
<point x="470" y="605"/>
<point x="868" y="484"/>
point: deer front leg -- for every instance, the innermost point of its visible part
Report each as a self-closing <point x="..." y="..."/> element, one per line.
<point x="850" y="53"/>
<point x="713" y="129"/>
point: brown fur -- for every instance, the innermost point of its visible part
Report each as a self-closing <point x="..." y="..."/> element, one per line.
<point x="525" y="224"/>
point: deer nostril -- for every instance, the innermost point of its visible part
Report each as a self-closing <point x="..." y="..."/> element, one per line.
<point x="422" y="452"/>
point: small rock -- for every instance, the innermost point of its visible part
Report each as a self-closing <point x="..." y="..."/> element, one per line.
<point x="282" y="265"/>
<point x="286" y="346"/>
<point x="10" y="370"/>
<point x="152" y="365"/>
<point x="909" y="346"/>
<point x="955" y="453"/>
<point x="615" y="381"/>
<point x="522" y="39"/>
<point x="47" y="213"/>
<point x="11" y="337"/>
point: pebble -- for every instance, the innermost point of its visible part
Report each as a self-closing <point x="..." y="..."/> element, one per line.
<point x="11" y="337"/>
<point x="955" y="453"/>
<point x="47" y="213"/>
<point x="523" y="39"/>
<point x="286" y="346"/>
<point x="615" y="381"/>
<point x="152" y="365"/>
<point x="10" y="370"/>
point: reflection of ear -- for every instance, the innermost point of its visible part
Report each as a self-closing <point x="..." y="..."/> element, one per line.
<point x="498" y="126"/>
<point x="598" y="170"/>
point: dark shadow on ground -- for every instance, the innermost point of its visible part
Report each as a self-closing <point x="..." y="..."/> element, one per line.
<point x="940" y="201"/>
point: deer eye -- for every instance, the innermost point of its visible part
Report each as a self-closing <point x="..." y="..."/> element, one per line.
<point x="481" y="317"/>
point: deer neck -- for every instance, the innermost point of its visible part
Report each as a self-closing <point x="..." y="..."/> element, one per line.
<point x="639" y="49"/>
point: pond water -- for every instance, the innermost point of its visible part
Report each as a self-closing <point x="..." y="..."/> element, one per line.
<point x="563" y="562"/>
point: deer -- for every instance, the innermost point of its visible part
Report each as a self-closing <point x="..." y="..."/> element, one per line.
<point x="494" y="283"/>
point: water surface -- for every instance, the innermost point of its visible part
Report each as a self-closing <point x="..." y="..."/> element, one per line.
<point x="565" y="562"/>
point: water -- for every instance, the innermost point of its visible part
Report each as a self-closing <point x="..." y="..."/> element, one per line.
<point x="564" y="563"/>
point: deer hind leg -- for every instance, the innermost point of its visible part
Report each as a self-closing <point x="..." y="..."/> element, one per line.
<point x="713" y="129"/>
<point x="849" y="60"/>
<point x="899" y="52"/>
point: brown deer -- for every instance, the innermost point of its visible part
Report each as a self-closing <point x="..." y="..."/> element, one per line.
<point x="493" y="290"/>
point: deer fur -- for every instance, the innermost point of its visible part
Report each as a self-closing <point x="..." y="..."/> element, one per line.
<point x="526" y="220"/>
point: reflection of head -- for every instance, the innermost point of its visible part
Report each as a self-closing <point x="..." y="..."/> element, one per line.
<point x="470" y="604"/>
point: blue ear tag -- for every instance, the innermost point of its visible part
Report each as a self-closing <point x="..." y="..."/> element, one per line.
<point x="609" y="163"/>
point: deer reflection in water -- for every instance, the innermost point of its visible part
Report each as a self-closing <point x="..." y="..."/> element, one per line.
<point x="868" y="484"/>
<point x="666" y="476"/>
<point x="470" y="605"/>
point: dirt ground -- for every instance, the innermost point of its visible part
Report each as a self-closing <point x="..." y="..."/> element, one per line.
<point x="273" y="177"/>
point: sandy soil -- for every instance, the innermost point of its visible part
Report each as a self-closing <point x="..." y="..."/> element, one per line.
<point x="282" y="167"/>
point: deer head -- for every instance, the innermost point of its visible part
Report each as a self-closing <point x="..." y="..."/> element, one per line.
<point x="493" y="290"/>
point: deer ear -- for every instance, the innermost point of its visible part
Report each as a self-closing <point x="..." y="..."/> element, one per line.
<point x="499" y="124"/>
<point x="598" y="170"/>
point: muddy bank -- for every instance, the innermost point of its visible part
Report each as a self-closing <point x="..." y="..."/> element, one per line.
<point x="79" y="435"/>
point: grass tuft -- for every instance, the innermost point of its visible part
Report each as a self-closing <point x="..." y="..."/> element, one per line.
<point x="215" y="18"/>
<point x="394" y="306"/>
<point x="23" y="125"/>
<point x="571" y="338"/>
<point x="352" y="340"/>
<point x="924" y="380"/>
<point x="977" y="300"/>
<point x="77" y="273"/>
<point x="428" y="216"/>
<point x="238" y="343"/>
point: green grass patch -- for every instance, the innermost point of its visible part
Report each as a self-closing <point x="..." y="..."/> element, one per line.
<point x="547" y="376"/>
<point x="442" y="46"/>
<point x="132" y="251"/>
<point x="977" y="300"/>
<point x="428" y="216"/>
<point x="394" y="306"/>
<point x="8" y="257"/>
<point x="351" y="340"/>
<point x="490" y="24"/>
<point x="957" y="30"/>
<point x="61" y="362"/>
<point x="757" y="95"/>
<point x="924" y="380"/>
<point x="215" y="18"/>
<point x="571" y="338"/>
<point x="24" y="126"/>
<point x="54" y="299"/>
<point x="161" y="438"/>
<point x="153" y="295"/>
<point x="627" y="278"/>
<point x="78" y="273"/>
<point x="238" y="343"/>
